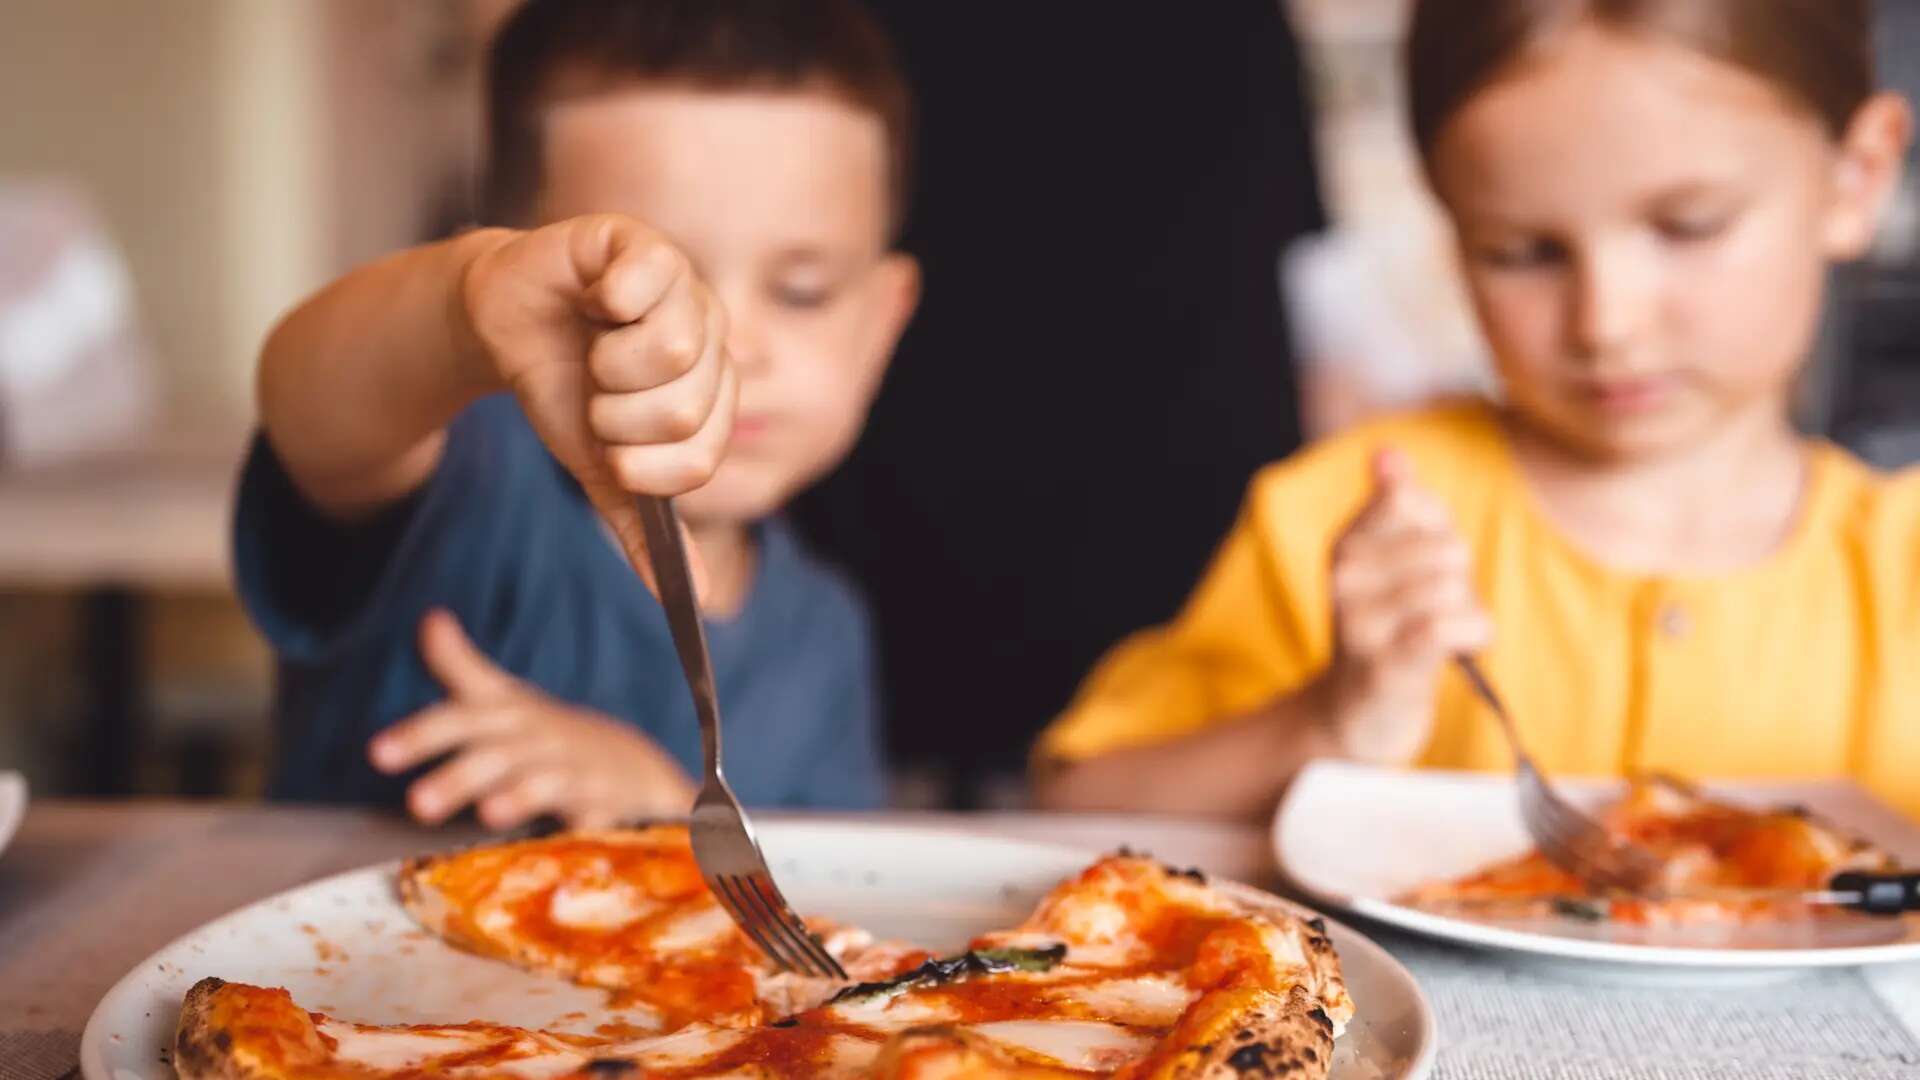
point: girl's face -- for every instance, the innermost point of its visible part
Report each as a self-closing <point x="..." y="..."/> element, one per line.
<point x="1646" y="231"/>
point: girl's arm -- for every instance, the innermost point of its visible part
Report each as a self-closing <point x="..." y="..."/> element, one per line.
<point x="1402" y="603"/>
<point x="1236" y="768"/>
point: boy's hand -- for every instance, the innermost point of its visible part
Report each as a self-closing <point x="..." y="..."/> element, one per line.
<point x="519" y="753"/>
<point x="617" y="352"/>
<point x="1403" y="604"/>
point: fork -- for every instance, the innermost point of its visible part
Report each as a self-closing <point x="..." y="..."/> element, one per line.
<point x="1569" y="838"/>
<point x="724" y="847"/>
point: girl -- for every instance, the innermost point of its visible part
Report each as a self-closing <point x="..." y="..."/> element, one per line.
<point x="1647" y="195"/>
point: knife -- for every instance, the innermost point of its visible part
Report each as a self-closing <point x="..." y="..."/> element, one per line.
<point x="1886" y="894"/>
<point x="1874" y="894"/>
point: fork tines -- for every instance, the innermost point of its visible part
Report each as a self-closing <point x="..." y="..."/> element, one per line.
<point x="757" y="906"/>
<point x="1570" y="839"/>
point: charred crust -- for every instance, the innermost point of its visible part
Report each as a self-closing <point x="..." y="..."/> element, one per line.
<point x="1318" y="924"/>
<point x="1191" y="873"/>
<point x="1319" y="1016"/>
<point x="407" y="883"/>
<point x="200" y="1049"/>
<point x="1251" y="1058"/>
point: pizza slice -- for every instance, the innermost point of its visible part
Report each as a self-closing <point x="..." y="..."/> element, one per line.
<point x="625" y="910"/>
<point x="1710" y="851"/>
<point x="1130" y="969"/>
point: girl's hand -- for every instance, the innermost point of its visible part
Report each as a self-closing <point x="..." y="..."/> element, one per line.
<point x="518" y="753"/>
<point x="617" y="352"/>
<point x="1403" y="605"/>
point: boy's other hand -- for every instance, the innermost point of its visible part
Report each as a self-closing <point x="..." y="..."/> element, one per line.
<point x="1403" y="605"/>
<point x="517" y="753"/>
<point x="617" y="352"/>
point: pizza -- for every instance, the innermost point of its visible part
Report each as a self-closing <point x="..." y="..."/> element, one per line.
<point x="1711" y="852"/>
<point x="1130" y="969"/>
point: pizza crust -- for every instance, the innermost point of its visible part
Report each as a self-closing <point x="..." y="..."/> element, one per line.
<point x="201" y="1050"/>
<point x="205" y="1046"/>
<point x="1250" y="1035"/>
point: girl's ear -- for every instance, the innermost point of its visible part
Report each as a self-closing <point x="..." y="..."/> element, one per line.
<point x="1867" y="171"/>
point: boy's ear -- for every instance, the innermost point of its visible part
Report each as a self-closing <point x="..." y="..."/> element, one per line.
<point x="1873" y="151"/>
<point x="899" y="296"/>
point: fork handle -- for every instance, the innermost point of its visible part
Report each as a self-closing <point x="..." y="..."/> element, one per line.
<point x="667" y="553"/>
<point x="1483" y="689"/>
<point x="1881" y="894"/>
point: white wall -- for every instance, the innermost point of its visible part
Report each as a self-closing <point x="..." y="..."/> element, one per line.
<point x="195" y="126"/>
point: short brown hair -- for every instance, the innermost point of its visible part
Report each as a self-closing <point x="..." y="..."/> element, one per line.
<point x="1818" y="52"/>
<point x="549" y="48"/>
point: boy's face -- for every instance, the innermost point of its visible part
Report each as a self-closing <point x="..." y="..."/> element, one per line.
<point x="780" y="199"/>
<point x="1645" y="233"/>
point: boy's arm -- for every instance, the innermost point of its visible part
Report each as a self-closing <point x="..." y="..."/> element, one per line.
<point x="614" y="348"/>
<point x="356" y="386"/>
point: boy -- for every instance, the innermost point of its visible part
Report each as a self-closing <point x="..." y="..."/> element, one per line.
<point x="715" y="184"/>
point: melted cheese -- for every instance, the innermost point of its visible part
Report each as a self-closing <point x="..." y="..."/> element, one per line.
<point x="452" y="1051"/>
<point x="612" y="906"/>
<point x="693" y="931"/>
<point x="1144" y="1001"/>
<point x="1075" y="1044"/>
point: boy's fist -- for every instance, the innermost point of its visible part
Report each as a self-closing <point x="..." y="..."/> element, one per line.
<point x="617" y="352"/>
<point x="1403" y="604"/>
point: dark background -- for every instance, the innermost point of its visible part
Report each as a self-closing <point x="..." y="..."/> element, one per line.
<point x="1101" y="360"/>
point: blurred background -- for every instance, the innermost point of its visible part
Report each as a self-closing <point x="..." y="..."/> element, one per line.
<point x="175" y="174"/>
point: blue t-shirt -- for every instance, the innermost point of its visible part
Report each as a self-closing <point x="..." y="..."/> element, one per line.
<point x="503" y="537"/>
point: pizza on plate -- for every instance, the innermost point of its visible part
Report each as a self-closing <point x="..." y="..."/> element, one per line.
<point x="1129" y="969"/>
<point x="1711" y="852"/>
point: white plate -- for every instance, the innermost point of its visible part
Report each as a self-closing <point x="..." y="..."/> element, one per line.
<point x="13" y="805"/>
<point x="344" y="946"/>
<point x="1355" y="837"/>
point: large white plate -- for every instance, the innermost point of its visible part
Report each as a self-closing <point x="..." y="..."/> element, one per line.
<point x="344" y="946"/>
<point x="13" y="805"/>
<point x="1355" y="837"/>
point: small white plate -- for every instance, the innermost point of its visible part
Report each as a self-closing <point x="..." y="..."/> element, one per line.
<point x="1355" y="837"/>
<point x="13" y="805"/>
<point x="345" y="947"/>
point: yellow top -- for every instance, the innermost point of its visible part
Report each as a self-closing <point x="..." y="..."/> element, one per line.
<point x="1805" y="665"/>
